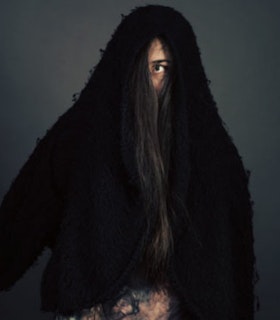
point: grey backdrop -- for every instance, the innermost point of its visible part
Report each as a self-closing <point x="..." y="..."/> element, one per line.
<point x="47" y="49"/>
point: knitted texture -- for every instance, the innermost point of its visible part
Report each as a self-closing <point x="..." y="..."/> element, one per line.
<point x="79" y="191"/>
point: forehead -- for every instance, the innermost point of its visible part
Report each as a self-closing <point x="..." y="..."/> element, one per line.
<point x="158" y="51"/>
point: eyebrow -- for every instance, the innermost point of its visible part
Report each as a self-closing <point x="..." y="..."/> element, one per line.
<point x="159" y="61"/>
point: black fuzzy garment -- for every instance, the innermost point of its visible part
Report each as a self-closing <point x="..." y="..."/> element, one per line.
<point x="79" y="194"/>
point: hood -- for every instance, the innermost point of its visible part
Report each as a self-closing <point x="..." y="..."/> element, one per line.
<point x="106" y="90"/>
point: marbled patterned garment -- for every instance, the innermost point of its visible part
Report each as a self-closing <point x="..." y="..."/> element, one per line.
<point x="137" y="301"/>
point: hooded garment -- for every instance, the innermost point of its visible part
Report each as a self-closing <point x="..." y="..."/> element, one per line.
<point x="79" y="191"/>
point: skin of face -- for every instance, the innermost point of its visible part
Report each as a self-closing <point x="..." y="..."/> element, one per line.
<point x="159" y="61"/>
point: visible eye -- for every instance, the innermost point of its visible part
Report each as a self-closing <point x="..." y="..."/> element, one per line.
<point x="158" y="68"/>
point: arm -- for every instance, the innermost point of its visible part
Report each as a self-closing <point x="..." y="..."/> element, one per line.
<point x="223" y="217"/>
<point x="29" y="215"/>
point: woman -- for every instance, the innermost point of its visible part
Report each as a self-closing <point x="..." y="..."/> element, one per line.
<point x="138" y="190"/>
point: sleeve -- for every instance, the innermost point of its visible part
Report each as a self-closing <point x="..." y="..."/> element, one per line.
<point x="222" y="187"/>
<point x="233" y="195"/>
<point x="29" y="215"/>
<point x="242" y="240"/>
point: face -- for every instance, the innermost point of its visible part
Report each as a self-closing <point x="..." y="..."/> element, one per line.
<point x="159" y="60"/>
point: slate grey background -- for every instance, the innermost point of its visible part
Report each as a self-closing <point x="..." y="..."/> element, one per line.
<point x="47" y="49"/>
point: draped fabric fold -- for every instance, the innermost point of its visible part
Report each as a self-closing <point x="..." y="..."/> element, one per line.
<point x="79" y="193"/>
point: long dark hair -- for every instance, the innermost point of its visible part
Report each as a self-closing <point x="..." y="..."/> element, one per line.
<point x="153" y="132"/>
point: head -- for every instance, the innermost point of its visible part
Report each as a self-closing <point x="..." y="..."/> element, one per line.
<point x="151" y="86"/>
